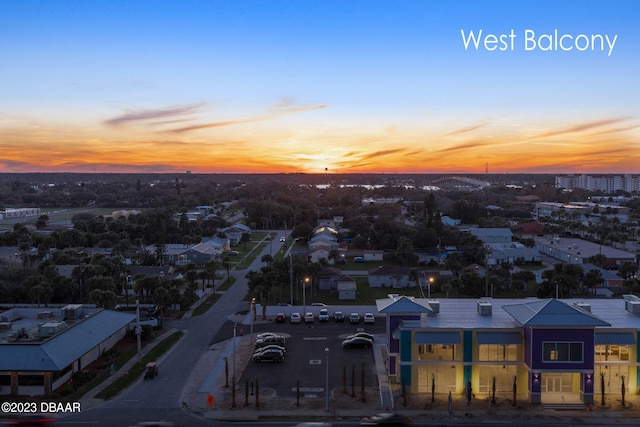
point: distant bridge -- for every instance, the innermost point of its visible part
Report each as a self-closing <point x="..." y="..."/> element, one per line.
<point x="460" y="183"/>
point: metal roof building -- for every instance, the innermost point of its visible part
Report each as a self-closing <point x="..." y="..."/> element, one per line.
<point x="79" y="342"/>
<point x="554" y="349"/>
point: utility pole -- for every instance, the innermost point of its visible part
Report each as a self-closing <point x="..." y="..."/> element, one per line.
<point x="138" y="331"/>
<point x="290" y="279"/>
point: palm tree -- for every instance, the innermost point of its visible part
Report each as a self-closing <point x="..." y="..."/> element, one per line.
<point x="162" y="298"/>
<point x="593" y="279"/>
<point x="414" y="276"/>
<point x="210" y="268"/>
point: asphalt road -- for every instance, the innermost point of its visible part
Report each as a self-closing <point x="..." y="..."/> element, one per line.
<point x="159" y="399"/>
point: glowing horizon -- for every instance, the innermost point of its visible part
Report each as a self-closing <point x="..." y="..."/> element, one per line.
<point x="329" y="87"/>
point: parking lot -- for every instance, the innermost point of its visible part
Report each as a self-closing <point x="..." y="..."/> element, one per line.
<point x="306" y="359"/>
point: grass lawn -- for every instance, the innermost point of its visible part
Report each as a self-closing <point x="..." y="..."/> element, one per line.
<point x="365" y="294"/>
<point x="226" y="284"/>
<point x="206" y="305"/>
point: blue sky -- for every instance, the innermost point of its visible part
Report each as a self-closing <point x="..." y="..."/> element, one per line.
<point x="353" y="86"/>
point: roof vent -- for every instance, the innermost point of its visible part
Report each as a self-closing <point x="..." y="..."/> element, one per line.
<point x="583" y="305"/>
<point x="73" y="311"/>
<point x="484" y="308"/>
<point x="435" y="305"/>
<point x="632" y="307"/>
<point x="632" y="304"/>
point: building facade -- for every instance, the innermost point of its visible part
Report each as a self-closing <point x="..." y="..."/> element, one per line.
<point x="607" y="183"/>
<point x="544" y="351"/>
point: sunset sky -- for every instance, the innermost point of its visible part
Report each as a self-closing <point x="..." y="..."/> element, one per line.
<point x="238" y="86"/>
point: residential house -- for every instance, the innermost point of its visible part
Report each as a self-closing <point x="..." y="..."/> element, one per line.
<point x="610" y="278"/>
<point x="328" y="278"/>
<point x="515" y="255"/>
<point x="494" y="238"/>
<point x="315" y="255"/>
<point x="235" y="232"/>
<point x="390" y="276"/>
<point x="198" y="254"/>
<point x="221" y="244"/>
<point x="372" y="255"/>
<point x="323" y="240"/>
<point x="347" y="288"/>
<point x="452" y="222"/>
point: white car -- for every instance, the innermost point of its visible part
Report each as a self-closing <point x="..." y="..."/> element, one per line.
<point x="324" y="315"/>
<point x="295" y="318"/>
<point x="309" y="317"/>
<point x="264" y="335"/>
<point x="369" y="318"/>
<point x="283" y="239"/>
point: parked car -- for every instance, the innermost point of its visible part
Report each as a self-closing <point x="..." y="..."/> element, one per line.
<point x="361" y="335"/>
<point x="279" y="340"/>
<point x="269" y="356"/>
<point x="357" y="342"/>
<point x="280" y="317"/>
<point x="324" y="315"/>
<point x="266" y="335"/>
<point x="153" y="311"/>
<point x="387" y="419"/>
<point x="309" y="317"/>
<point x="270" y="347"/>
<point x="318" y="304"/>
<point x="231" y="253"/>
<point x="360" y="260"/>
<point x="283" y="239"/>
<point x="354" y="318"/>
<point x="369" y="318"/>
<point x="295" y="318"/>
<point x="338" y="317"/>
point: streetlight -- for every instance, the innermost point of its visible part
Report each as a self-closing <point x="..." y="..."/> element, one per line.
<point x="304" y="301"/>
<point x="233" y="376"/>
<point x="253" y="313"/>
<point x="431" y="280"/>
<point x="326" y="384"/>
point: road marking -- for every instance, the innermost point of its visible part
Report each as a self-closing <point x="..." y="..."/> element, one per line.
<point x="315" y="362"/>
<point x="309" y="389"/>
<point x="314" y="338"/>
